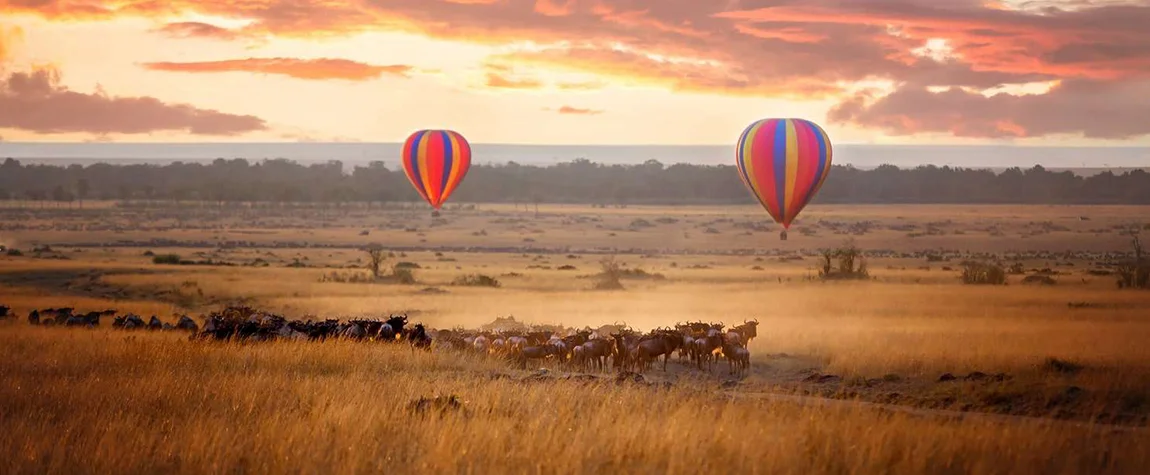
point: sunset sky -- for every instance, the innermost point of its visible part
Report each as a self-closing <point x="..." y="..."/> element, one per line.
<point x="1066" y="72"/>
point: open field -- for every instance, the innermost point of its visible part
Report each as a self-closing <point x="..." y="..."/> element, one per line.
<point x="1062" y="355"/>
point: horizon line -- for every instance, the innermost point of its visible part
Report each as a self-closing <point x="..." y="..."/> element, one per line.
<point x="853" y="144"/>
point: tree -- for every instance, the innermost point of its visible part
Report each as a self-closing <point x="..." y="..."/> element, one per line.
<point x="82" y="190"/>
<point x="59" y="194"/>
<point x="376" y="256"/>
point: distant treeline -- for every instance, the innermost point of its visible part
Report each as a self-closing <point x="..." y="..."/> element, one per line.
<point x="578" y="181"/>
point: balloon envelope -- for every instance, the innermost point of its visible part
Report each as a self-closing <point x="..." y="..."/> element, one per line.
<point x="783" y="162"/>
<point x="436" y="162"/>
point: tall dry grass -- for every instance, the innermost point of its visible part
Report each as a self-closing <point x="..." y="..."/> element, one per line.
<point x="105" y="402"/>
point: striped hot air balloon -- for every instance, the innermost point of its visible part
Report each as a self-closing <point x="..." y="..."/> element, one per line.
<point x="436" y="162"/>
<point x="784" y="163"/>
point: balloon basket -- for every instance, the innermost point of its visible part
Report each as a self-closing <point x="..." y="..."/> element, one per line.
<point x="783" y="236"/>
<point x="435" y="214"/>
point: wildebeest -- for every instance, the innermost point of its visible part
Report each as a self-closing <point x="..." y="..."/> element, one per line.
<point x="748" y="330"/>
<point x="419" y="338"/>
<point x="625" y="344"/>
<point x="536" y="352"/>
<point x="5" y="312"/>
<point x="50" y="316"/>
<point x="130" y="321"/>
<point x="391" y="328"/>
<point x="738" y="357"/>
<point x="706" y="346"/>
<point x="186" y="323"/>
<point x="661" y="342"/>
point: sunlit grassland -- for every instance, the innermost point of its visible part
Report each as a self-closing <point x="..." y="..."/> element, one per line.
<point x="103" y="402"/>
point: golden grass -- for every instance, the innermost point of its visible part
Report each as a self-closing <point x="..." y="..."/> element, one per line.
<point x="77" y="401"/>
<point x="104" y="402"/>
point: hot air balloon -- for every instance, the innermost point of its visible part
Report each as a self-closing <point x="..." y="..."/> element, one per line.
<point x="436" y="162"/>
<point x="783" y="162"/>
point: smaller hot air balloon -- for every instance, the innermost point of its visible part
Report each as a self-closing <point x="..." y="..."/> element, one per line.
<point x="436" y="162"/>
<point x="784" y="163"/>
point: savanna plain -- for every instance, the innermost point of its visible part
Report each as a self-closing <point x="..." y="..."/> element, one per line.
<point x="899" y="368"/>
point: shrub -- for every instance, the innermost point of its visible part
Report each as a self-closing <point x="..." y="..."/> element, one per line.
<point x="476" y="280"/>
<point x="640" y="274"/>
<point x="347" y="278"/>
<point x="609" y="276"/>
<point x="166" y="259"/>
<point x="851" y="263"/>
<point x="403" y="276"/>
<point x="983" y="273"/>
<point x="1134" y="274"/>
<point x="15" y="253"/>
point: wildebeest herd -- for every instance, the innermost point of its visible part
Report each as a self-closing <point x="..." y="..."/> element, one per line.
<point x="66" y="316"/>
<point x="615" y="347"/>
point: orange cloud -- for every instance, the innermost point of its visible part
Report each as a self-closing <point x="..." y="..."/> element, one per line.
<point x="192" y="29"/>
<point x="789" y="34"/>
<point x="35" y="101"/>
<point x="578" y="111"/>
<point x="554" y="7"/>
<point x="1092" y="108"/>
<point x="807" y="49"/>
<point x="580" y="86"/>
<point x="313" y="69"/>
<point x="678" y="75"/>
<point x="503" y="82"/>
<point x="9" y="36"/>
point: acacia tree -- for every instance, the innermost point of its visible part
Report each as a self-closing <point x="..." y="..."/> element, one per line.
<point x="376" y="256"/>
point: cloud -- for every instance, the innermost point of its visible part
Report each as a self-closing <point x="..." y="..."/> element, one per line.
<point x="811" y="49"/>
<point x="195" y="29"/>
<point x="677" y="74"/>
<point x="581" y="85"/>
<point x="578" y="111"/>
<point x="36" y="102"/>
<point x="8" y="37"/>
<point x="500" y="81"/>
<point x="312" y="69"/>
<point x="1092" y="108"/>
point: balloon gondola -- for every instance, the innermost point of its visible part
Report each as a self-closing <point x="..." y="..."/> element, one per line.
<point x="436" y="161"/>
<point x="783" y="163"/>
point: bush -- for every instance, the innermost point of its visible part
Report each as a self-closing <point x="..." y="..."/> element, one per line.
<point x="1134" y="274"/>
<point x="851" y="263"/>
<point x="407" y="265"/>
<point x="983" y="273"/>
<point x="476" y="280"/>
<point x="640" y="274"/>
<point x="15" y="253"/>
<point x="347" y="278"/>
<point x="403" y="276"/>
<point x="167" y="259"/>
<point x="610" y="275"/>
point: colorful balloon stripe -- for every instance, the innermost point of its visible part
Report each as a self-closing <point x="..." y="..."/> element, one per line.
<point x="784" y="163"/>
<point x="435" y="162"/>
